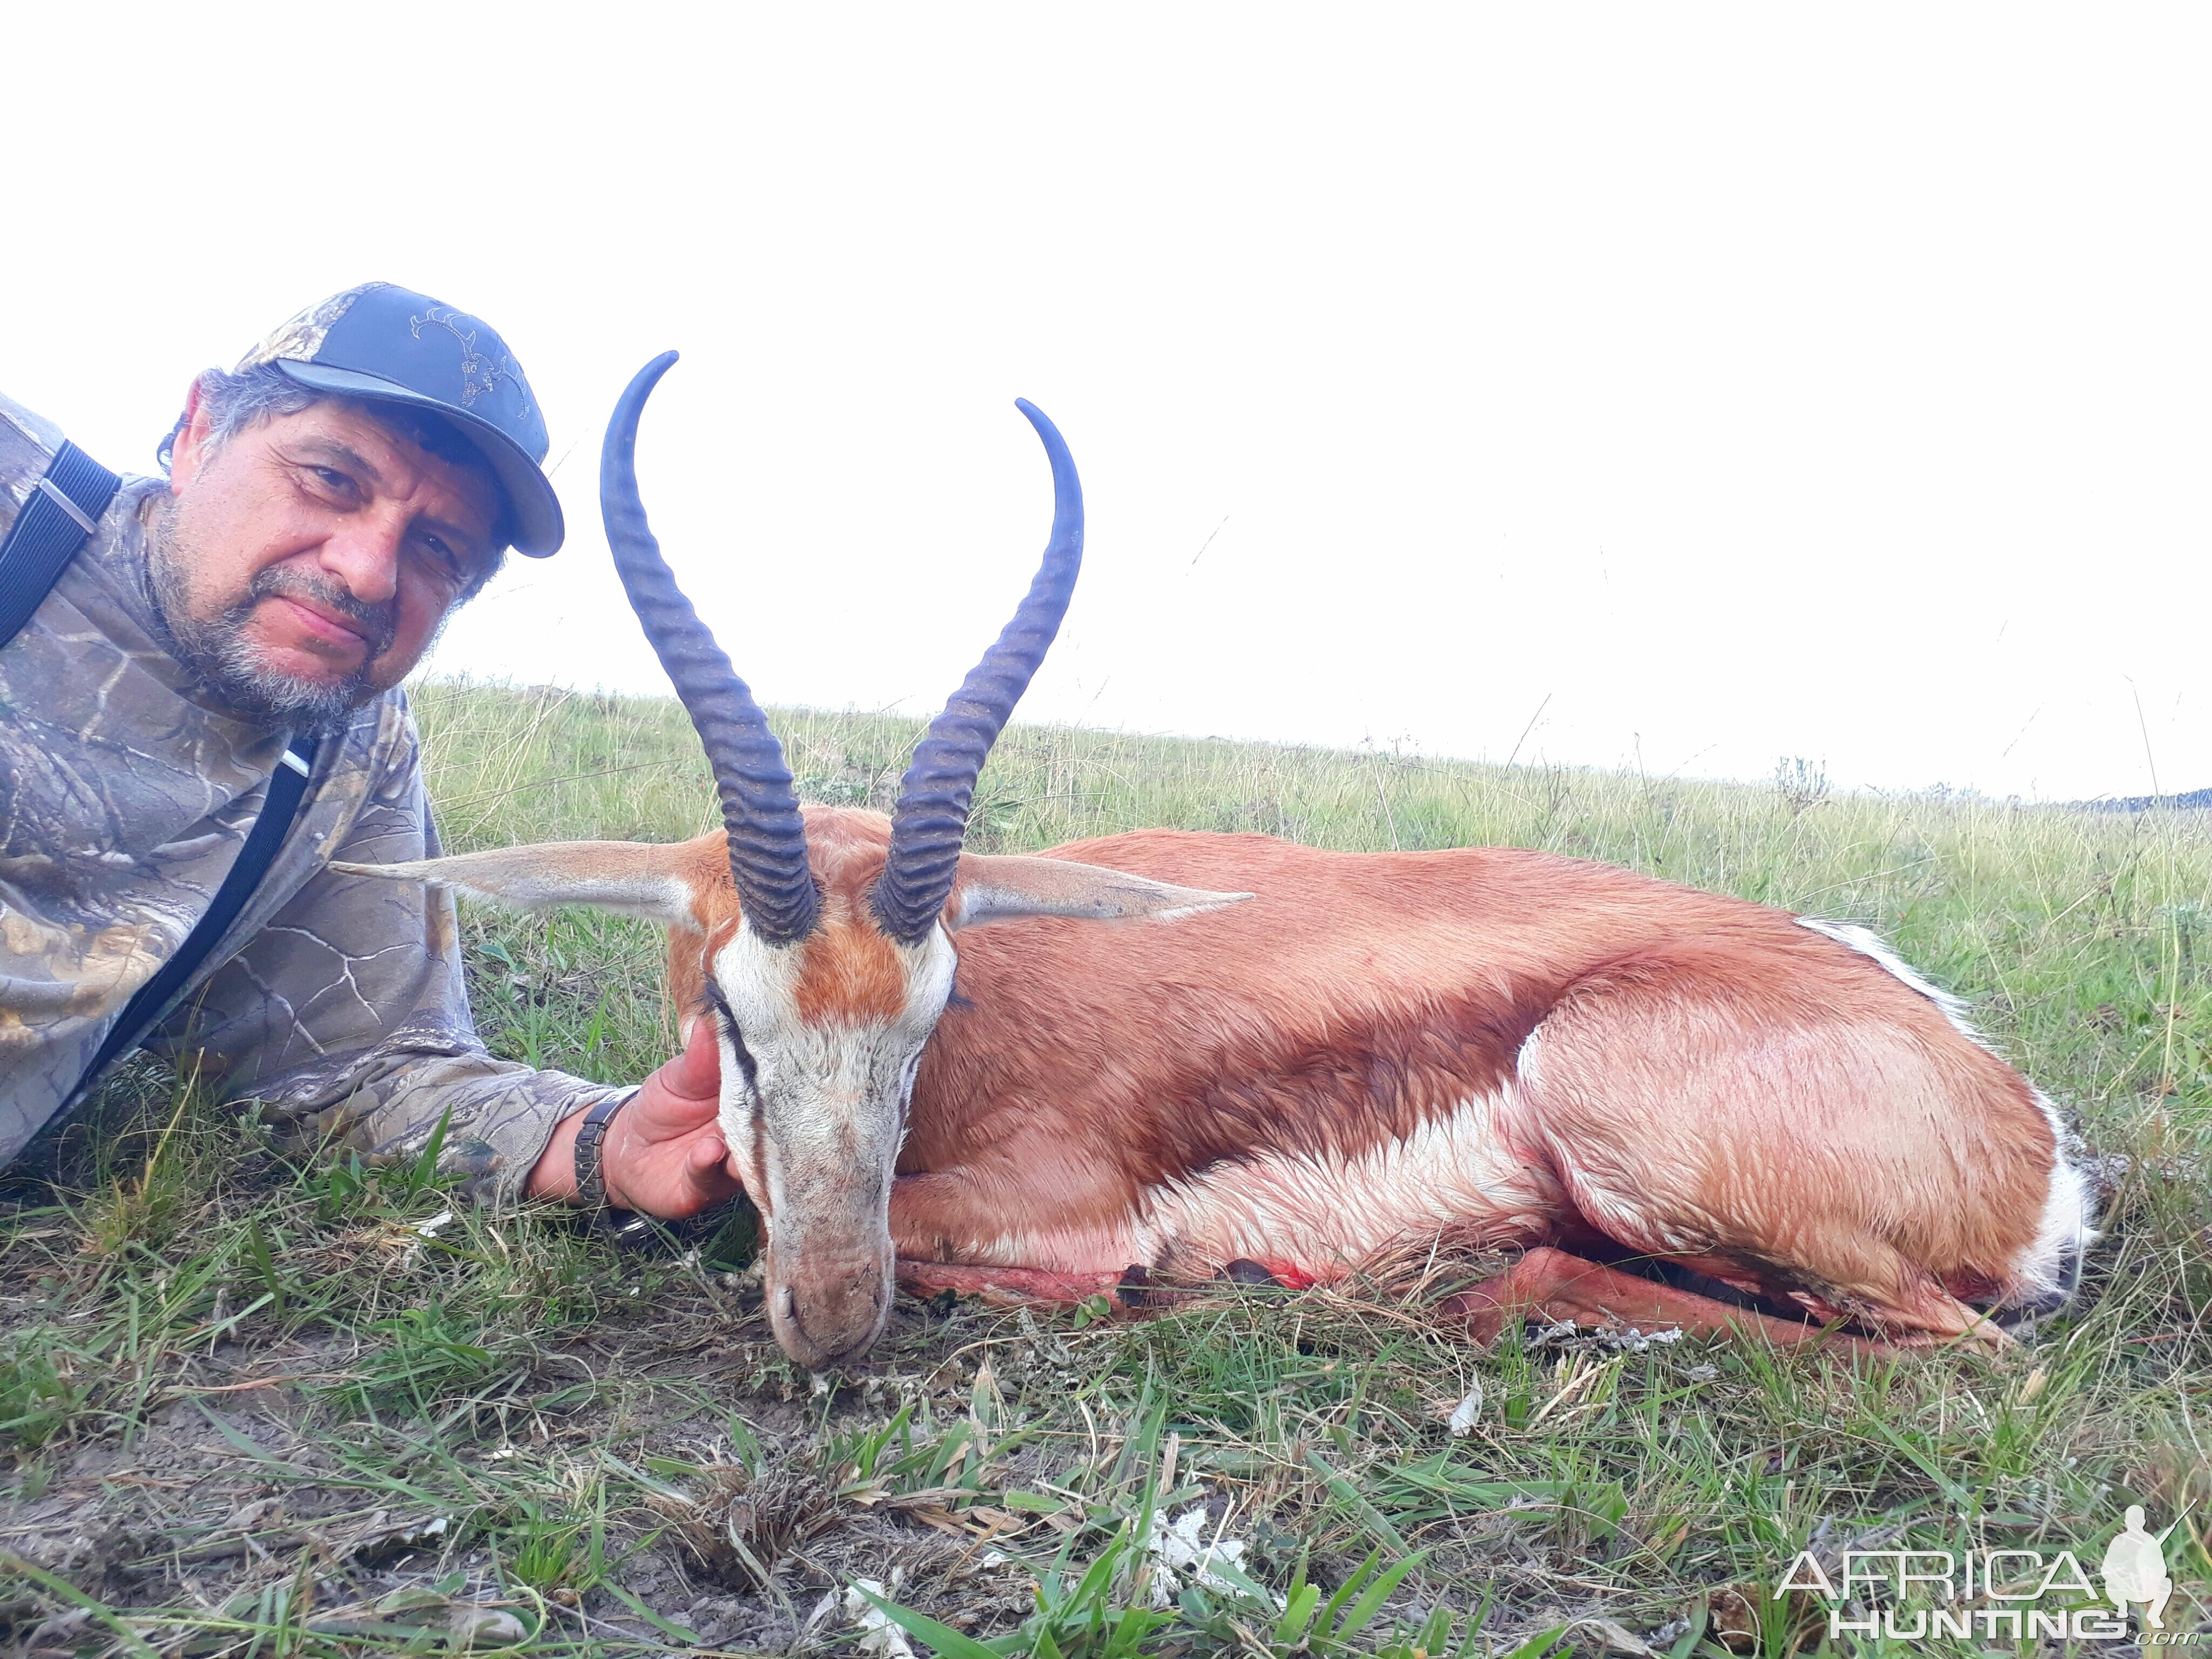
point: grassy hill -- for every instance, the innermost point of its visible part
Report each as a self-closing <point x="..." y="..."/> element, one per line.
<point x="244" y="1399"/>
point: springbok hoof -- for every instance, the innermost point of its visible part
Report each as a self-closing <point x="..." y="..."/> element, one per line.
<point x="1243" y="1271"/>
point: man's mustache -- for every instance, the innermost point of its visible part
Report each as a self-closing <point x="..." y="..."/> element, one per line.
<point x="379" y="623"/>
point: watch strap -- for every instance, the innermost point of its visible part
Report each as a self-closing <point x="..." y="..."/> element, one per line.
<point x="591" y="1136"/>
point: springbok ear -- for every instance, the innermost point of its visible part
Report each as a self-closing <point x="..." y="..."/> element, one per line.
<point x="630" y="878"/>
<point x="999" y="889"/>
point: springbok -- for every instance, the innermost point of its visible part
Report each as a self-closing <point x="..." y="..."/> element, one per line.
<point x="1287" y="1057"/>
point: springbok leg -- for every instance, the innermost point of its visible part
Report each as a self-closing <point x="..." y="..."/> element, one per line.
<point x="1547" y="1283"/>
<point x="1131" y="1288"/>
<point x="1003" y="1286"/>
<point x="1554" y="1285"/>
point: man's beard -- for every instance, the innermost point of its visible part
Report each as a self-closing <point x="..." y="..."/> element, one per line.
<point x="218" y="654"/>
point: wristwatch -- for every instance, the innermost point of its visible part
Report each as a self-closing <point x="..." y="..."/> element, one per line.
<point x="590" y="1177"/>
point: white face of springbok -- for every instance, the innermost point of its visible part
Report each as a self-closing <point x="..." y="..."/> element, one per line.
<point x="817" y="1081"/>
<point x="822" y="943"/>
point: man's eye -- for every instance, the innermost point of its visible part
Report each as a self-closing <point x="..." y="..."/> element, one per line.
<point x="443" y="558"/>
<point x="330" y="478"/>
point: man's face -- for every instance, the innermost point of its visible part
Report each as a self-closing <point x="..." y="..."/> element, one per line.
<point x="306" y="563"/>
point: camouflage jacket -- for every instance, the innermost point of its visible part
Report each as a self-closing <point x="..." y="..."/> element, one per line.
<point x="125" y="793"/>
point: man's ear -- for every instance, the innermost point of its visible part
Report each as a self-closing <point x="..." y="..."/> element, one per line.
<point x="630" y="878"/>
<point x="999" y="889"/>
<point x="188" y="451"/>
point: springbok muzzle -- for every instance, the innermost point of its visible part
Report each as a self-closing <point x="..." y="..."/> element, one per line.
<point x="827" y="1305"/>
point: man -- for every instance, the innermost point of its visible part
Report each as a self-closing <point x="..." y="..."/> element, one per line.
<point x="328" y="505"/>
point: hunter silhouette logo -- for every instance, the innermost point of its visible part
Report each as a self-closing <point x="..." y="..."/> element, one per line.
<point x="2134" y="1569"/>
<point x="2011" y="1594"/>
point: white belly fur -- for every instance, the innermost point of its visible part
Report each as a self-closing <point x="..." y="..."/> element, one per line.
<point x="1456" y="1175"/>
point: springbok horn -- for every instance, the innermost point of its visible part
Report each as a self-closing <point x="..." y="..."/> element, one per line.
<point x="932" y="815"/>
<point x="767" y="842"/>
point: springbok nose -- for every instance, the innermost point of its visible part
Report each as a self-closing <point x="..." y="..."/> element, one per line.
<point x="830" y="1309"/>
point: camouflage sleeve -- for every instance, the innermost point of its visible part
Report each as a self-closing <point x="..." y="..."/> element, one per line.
<point x="348" y="1015"/>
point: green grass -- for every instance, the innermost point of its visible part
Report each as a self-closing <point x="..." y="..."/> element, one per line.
<point x="255" y="1404"/>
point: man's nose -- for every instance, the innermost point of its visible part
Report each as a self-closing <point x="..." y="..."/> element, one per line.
<point x="364" y="554"/>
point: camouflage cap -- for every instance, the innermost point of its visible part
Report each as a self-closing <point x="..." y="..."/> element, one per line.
<point x="391" y="344"/>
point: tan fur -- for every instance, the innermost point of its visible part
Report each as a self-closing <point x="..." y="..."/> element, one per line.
<point x="852" y="971"/>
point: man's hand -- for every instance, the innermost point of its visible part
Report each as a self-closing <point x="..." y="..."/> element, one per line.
<point x="663" y="1153"/>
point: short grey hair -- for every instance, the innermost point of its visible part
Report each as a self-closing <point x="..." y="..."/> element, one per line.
<point x="234" y="402"/>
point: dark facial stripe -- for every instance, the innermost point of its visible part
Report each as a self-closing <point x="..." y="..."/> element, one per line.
<point x="721" y="1004"/>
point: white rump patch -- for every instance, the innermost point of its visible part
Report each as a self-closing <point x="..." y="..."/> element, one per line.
<point x="2051" y="1265"/>
<point x="1324" y="1215"/>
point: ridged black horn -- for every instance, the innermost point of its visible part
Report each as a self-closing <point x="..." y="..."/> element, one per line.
<point x="767" y="842"/>
<point x="932" y="815"/>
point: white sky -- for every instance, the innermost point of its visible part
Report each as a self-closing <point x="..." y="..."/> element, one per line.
<point x="1723" y="383"/>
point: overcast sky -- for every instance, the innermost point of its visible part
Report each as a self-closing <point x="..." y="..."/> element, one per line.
<point x="1686" y="387"/>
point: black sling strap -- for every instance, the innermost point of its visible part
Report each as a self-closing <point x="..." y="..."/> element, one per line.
<point x="286" y="785"/>
<point x="64" y="509"/>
